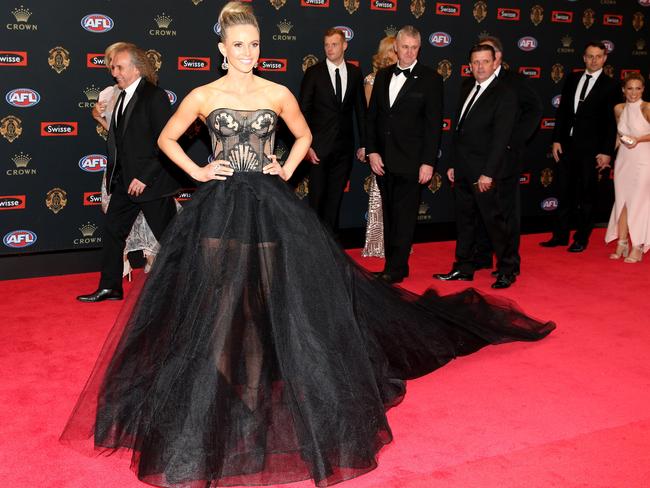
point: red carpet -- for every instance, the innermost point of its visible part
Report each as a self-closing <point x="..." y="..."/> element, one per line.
<point x="570" y="411"/>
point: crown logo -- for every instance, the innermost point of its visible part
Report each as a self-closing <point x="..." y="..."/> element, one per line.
<point x="88" y="229"/>
<point x="391" y="30"/>
<point x="163" y="20"/>
<point x="285" y="26"/>
<point x="92" y="93"/>
<point x="22" y="14"/>
<point x="21" y="160"/>
<point x="640" y="44"/>
<point x="566" y="41"/>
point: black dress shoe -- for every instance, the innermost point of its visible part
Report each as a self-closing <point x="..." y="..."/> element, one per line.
<point x="553" y="242"/>
<point x="455" y="275"/>
<point x="504" y="281"/>
<point x="577" y="247"/>
<point x="391" y="278"/>
<point x="101" y="295"/>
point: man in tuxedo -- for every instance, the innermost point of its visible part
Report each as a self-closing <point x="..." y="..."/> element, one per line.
<point x="583" y="145"/>
<point x="139" y="177"/>
<point x="404" y="126"/>
<point x="529" y="113"/>
<point x="331" y="96"/>
<point x="481" y="168"/>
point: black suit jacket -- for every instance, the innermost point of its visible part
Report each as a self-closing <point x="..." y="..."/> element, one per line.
<point x="331" y="123"/>
<point x="407" y="134"/>
<point x="594" y="124"/>
<point x="135" y="144"/>
<point x="480" y="147"/>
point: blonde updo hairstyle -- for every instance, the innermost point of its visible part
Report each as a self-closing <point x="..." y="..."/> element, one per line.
<point x="236" y="13"/>
<point x="382" y="58"/>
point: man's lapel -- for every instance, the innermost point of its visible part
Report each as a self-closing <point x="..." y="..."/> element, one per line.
<point x="408" y="84"/>
<point x="128" y="110"/>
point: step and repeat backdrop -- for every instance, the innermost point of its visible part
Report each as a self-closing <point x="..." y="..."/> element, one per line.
<point x="53" y="154"/>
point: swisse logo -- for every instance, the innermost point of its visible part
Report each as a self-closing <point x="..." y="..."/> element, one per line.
<point x="562" y="16"/>
<point x="448" y="9"/>
<point x="172" y="97"/>
<point x="524" y="179"/>
<point x="93" y="163"/>
<point x="390" y="5"/>
<point x="23" y="97"/>
<point x="625" y="72"/>
<point x="508" y="14"/>
<point x="549" y="204"/>
<point x="13" y="58"/>
<point x="527" y="43"/>
<point x="609" y="45"/>
<point x="531" y="71"/>
<point x="465" y="71"/>
<point x="19" y="238"/>
<point x="555" y="101"/>
<point x="349" y="33"/>
<point x="95" y="60"/>
<point x="97" y="23"/>
<point x="315" y="3"/>
<point x="613" y="19"/>
<point x="187" y="63"/>
<point x="92" y="198"/>
<point x="12" y="202"/>
<point x="272" y="64"/>
<point x="185" y="194"/>
<point x="440" y="39"/>
<point x="547" y="123"/>
<point x="59" y="128"/>
<point x="446" y="124"/>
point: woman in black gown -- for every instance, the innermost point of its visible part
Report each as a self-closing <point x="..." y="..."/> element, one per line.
<point x="257" y="351"/>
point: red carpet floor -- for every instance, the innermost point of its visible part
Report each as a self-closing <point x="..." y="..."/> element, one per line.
<point x="570" y="411"/>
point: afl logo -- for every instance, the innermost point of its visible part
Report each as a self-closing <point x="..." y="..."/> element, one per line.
<point x="349" y="33"/>
<point x="549" y="204"/>
<point x="93" y="163"/>
<point x="609" y="45"/>
<point x="97" y="23"/>
<point x="19" y="239"/>
<point x="527" y="43"/>
<point x="556" y="101"/>
<point x="440" y="39"/>
<point x="172" y="97"/>
<point x="217" y="29"/>
<point x="23" y="97"/>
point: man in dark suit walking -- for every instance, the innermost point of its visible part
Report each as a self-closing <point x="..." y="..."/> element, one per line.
<point x="481" y="167"/>
<point x="529" y="113"/>
<point x="583" y="145"/>
<point x="331" y="95"/>
<point x="139" y="176"/>
<point x="404" y="126"/>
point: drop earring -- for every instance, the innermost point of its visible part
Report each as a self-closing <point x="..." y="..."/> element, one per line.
<point x="224" y="65"/>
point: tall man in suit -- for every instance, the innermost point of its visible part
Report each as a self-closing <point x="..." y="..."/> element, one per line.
<point x="583" y="145"/>
<point x="529" y="113"/>
<point x="139" y="176"/>
<point x="481" y="168"/>
<point x="331" y="95"/>
<point x="404" y="126"/>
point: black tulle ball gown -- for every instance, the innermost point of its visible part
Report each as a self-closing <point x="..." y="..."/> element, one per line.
<point x="257" y="351"/>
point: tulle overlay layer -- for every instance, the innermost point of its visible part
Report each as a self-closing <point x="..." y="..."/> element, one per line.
<point x="257" y="352"/>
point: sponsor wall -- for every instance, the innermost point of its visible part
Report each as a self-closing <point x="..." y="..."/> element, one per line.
<point x="52" y="153"/>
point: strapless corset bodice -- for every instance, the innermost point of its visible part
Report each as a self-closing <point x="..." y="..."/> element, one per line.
<point x="242" y="137"/>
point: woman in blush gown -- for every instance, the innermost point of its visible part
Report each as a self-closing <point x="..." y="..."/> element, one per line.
<point x="257" y="352"/>
<point x="631" y="212"/>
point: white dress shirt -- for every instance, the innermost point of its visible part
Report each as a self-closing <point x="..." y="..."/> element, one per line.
<point x="484" y="86"/>
<point x="592" y="82"/>
<point x="343" y="72"/>
<point x="397" y="82"/>
<point x="130" y="90"/>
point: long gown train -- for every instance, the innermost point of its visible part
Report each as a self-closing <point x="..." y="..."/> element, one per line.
<point x="257" y="351"/>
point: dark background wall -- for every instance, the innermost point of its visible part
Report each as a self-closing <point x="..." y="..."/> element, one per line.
<point x="51" y="152"/>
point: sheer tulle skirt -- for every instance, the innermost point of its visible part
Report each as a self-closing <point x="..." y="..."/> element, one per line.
<point x="257" y="352"/>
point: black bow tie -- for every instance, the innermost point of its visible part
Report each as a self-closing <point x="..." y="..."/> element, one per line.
<point x="397" y="71"/>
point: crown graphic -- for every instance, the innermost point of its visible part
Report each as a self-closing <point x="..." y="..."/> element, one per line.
<point x="22" y="14"/>
<point x="21" y="160"/>
<point x="566" y="41"/>
<point x="285" y="26"/>
<point x="640" y="44"/>
<point x="92" y="93"/>
<point x="390" y="30"/>
<point x="163" y="20"/>
<point x="88" y="229"/>
<point x="484" y="34"/>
